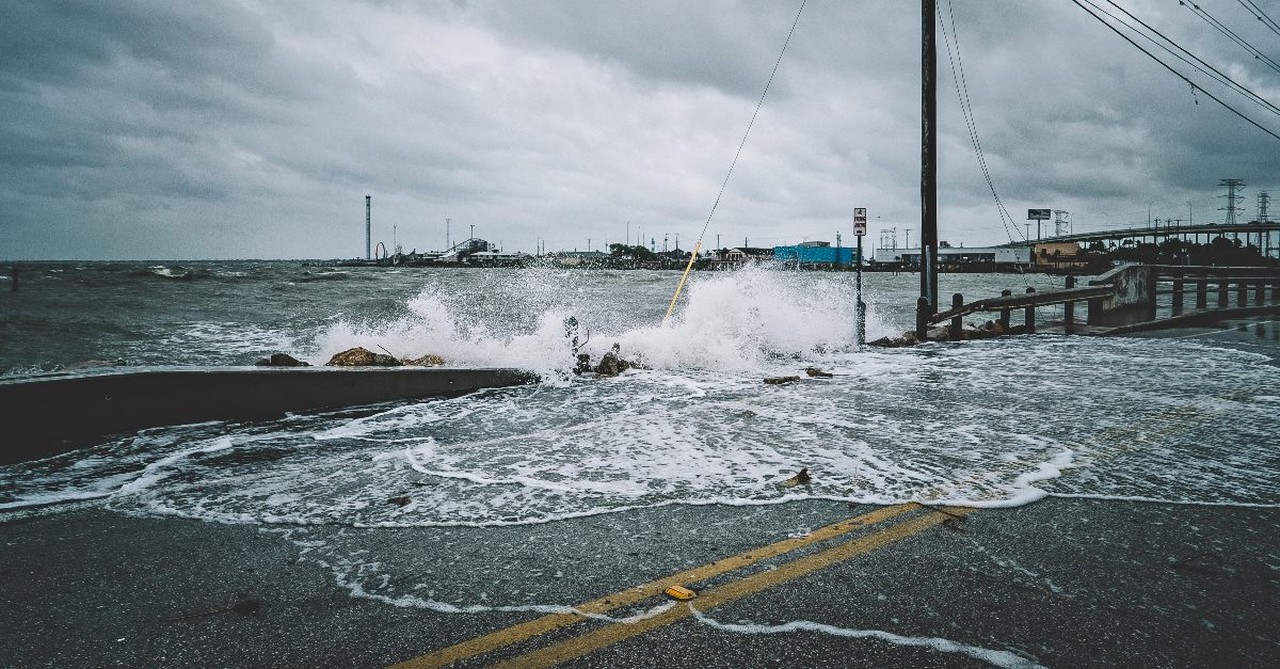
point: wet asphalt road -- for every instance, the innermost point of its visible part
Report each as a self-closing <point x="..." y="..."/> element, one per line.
<point x="1060" y="583"/>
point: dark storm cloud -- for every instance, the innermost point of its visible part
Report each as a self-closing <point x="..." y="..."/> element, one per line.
<point x="251" y="128"/>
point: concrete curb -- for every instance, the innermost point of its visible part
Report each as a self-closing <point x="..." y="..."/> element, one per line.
<point x="48" y="414"/>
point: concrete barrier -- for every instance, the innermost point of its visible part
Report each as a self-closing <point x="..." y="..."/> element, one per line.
<point x="46" y="414"/>
<point x="1134" y="300"/>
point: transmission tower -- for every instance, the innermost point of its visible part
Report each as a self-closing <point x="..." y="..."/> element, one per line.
<point x="1061" y="222"/>
<point x="1263" y="201"/>
<point x="1232" y="198"/>
<point x="889" y="239"/>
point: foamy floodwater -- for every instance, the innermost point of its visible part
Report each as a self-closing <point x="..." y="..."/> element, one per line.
<point x="990" y="423"/>
<point x="993" y="423"/>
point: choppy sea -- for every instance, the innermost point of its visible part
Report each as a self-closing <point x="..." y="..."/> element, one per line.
<point x="987" y="423"/>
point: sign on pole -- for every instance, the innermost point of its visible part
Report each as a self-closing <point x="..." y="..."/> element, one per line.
<point x="860" y="221"/>
<point x="1037" y="214"/>
<point x="860" y="310"/>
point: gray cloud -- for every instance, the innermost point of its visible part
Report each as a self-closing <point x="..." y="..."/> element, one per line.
<point x="254" y="129"/>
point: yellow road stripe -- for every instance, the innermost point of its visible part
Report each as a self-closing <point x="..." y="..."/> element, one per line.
<point x="532" y="628"/>
<point x="732" y="591"/>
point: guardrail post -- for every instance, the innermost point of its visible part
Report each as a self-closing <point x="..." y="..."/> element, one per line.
<point x="957" y="325"/>
<point x="1069" y="308"/>
<point x="1260" y="292"/>
<point x="1202" y="293"/>
<point x="1004" y="313"/>
<point x="1177" y="295"/>
<point x="1030" y="316"/>
<point x="1242" y="293"/>
<point x="1224" y="298"/>
<point x="922" y="318"/>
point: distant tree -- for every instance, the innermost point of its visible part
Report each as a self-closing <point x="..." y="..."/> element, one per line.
<point x="637" y="252"/>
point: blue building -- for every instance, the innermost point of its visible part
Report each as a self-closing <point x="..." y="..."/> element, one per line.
<point x="815" y="255"/>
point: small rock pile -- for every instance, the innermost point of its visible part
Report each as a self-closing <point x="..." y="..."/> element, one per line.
<point x="355" y="357"/>
<point x="363" y="357"/>
<point x="985" y="331"/>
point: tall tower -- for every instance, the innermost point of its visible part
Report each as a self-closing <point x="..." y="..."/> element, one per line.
<point x="368" y="227"/>
<point x="1061" y="222"/>
<point x="1263" y="201"/>
<point x="1232" y="198"/>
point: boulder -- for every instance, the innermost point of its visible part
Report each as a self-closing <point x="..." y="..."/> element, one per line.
<point x="608" y="365"/>
<point x="428" y="360"/>
<point x="362" y="357"/>
<point x="800" y="477"/>
<point x="907" y="339"/>
<point x="818" y="373"/>
<point x="612" y="363"/>
<point x="281" y="360"/>
<point x="780" y="380"/>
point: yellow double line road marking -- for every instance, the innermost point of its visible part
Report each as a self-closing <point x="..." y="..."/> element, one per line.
<point x="710" y="598"/>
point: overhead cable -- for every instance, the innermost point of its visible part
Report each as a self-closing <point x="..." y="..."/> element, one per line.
<point x="759" y="103"/>
<point x="1176" y="73"/>
<point x="1261" y="15"/>
<point x="1231" y="34"/>
<point x="966" y="108"/>
<point x="1211" y="72"/>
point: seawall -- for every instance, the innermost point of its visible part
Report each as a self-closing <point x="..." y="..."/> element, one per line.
<point x="47" y="414"/>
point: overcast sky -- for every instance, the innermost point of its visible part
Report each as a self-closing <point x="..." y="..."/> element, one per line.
<point x="254" y="129"/>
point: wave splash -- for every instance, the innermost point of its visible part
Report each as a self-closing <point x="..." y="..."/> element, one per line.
<point x="739" y="321"/>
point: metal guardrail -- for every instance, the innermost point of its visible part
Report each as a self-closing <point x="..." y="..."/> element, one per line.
<point x="1125" y="300"/>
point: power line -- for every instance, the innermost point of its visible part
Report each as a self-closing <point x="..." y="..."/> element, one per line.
<point x="966" y="108"/>
<point x="751" y="124"/>
<point x="1216" y="73"/>
<point x="1261" y="15"/>
<point x="1231" y="34"/>
<point x="1176" y="73"/>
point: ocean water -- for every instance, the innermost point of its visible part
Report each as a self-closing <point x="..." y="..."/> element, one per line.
<point x="990" y="423"/>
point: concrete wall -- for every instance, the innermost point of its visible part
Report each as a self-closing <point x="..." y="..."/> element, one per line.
<point x="53" y="413"/>
<point x="1134" y="300"/>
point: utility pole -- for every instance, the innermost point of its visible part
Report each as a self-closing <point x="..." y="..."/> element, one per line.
<point x="588" y="245"/>
<point x="473" y="231"/>
<point x="368" y="227"/>
<point x="447" y="246"/>
<point x="928" y="158"/>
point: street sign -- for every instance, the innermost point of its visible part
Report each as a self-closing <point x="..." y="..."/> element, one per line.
<point x="860" y="221"/>
<point x="1037" y="214"/>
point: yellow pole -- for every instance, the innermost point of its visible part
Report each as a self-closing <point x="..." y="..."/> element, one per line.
<point x="692" y="257"/>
